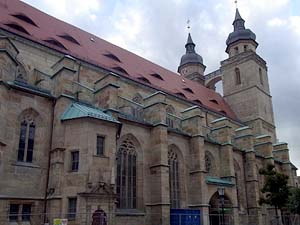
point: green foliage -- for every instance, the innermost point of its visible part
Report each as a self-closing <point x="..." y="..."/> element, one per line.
<point x="276" y="188"/>
<point x="294" y="201"/>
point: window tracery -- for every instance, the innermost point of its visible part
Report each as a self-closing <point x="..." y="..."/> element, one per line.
<point x="174" y="179"/>
<point x="27" y="135"/>
<point x="26" y="141"/>
<point x="126" y="175"/>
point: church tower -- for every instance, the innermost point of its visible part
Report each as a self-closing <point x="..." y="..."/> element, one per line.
<point x="191" y="64"/>
<point x="245" y="80"/>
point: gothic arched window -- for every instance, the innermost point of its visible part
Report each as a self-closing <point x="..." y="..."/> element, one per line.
<point x="26" y="141"/>
<point x="136" y="110"/>
<point x="209" y="166"/>
<point x="237" y="76"/>
<point x="174" y="179"/>
<point x="126" y="175"/>
<point x="170" y="119"/>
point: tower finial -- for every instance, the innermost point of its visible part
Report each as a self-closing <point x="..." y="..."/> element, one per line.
<point x="236" y="4"/>
<point x="188" y="24"/>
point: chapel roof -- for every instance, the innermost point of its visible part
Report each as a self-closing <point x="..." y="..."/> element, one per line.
<point x="239" y="32"/>
<point x="24" y="20"/>
<point x="190" y="56"/>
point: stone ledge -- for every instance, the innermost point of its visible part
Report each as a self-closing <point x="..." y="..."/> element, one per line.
<point x="106" y="86"/>
<point x="242" y="128"/>
<point x="243" y="136"/>
<point x="26" y="164"/>
<point x="280" y="143"/>
<point x="22" y="197"/>
<point x="101" y="156"/>
<point x="129" y="212"/>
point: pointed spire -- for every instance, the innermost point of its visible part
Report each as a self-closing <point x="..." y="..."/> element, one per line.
<point x="190" y="40"/>
<point x="237" y="15"/>
<point x="190" y="45"/>
<point x="239" y="22"/>
<point x="240" y="32"/>
<point x="190" y="56"/>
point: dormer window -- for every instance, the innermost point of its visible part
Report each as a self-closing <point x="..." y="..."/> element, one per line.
<point x="223" y="112"/>
<point x="180" y="94"/>
<point x="156" y="75"/>
<point x="17" y="27"/>
<point x="214" y="101"/>
<point x="198" y="102"/>
<point x="55" y="42"/>
<point x="112" y="56"/>
<point x="69" y="38"/>
<point x="143" y="79"/>
<point x="24" y="18"/>
<point x="120" y="69"/>
<point x="189" y="90"/>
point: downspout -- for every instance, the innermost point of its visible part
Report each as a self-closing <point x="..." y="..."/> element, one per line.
<point x="245" y="183"/>
<point x="118" y="135"/>
<point x="49" y="160"/>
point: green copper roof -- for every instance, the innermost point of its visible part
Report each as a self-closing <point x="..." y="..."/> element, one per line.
<point x="77" y="110"/>
<point x="218" y="181"/>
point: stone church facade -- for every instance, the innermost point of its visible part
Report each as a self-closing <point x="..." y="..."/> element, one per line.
<point x="87" y="126"/>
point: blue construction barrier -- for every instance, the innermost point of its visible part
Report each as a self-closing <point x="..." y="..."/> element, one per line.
<point x="185" y="217"/>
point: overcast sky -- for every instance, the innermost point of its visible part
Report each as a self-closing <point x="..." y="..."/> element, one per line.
<point x="156" y="30"/>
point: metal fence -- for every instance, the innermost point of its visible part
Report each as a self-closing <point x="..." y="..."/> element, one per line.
<point x="140" y="218"/>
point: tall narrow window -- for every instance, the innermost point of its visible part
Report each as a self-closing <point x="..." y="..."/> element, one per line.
<point x="30" y="142"/>
<point x="22" y="141"/>
<point x="236" y="50"/>
<point x="170" y="118"/>
<point x="26" y="211"/>
<point x="72" y="208"/>
<point x="261" y="77"/>
<point x="13" y="212"/>
<point x="237" y="76"/>
<point x="209" y="164"/>
<point x="26" y="141"/>
<point x="126" y="175"/>
<point x="74" y="161"/>
<point x="174" y="179"/>
<point x="245" y="48"/>
<point x="100" y="145"/>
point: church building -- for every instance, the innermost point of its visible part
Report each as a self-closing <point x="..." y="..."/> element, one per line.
<point x="88" y="128"/>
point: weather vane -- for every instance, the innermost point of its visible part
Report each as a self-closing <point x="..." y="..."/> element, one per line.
<point x="236" y="3"/>
<point x="188" y="24"/>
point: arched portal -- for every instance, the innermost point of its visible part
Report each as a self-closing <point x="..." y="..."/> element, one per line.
<point x="216" y="210"/>
<point x="99" y="217"/>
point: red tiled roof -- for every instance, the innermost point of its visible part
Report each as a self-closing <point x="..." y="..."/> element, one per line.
<point x="71" y="40"/>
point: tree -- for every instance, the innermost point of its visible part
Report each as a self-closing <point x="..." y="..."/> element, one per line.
<point x="294" y="201"/>
<point x="294" y="205"/>
<point x="275" y="190"/>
